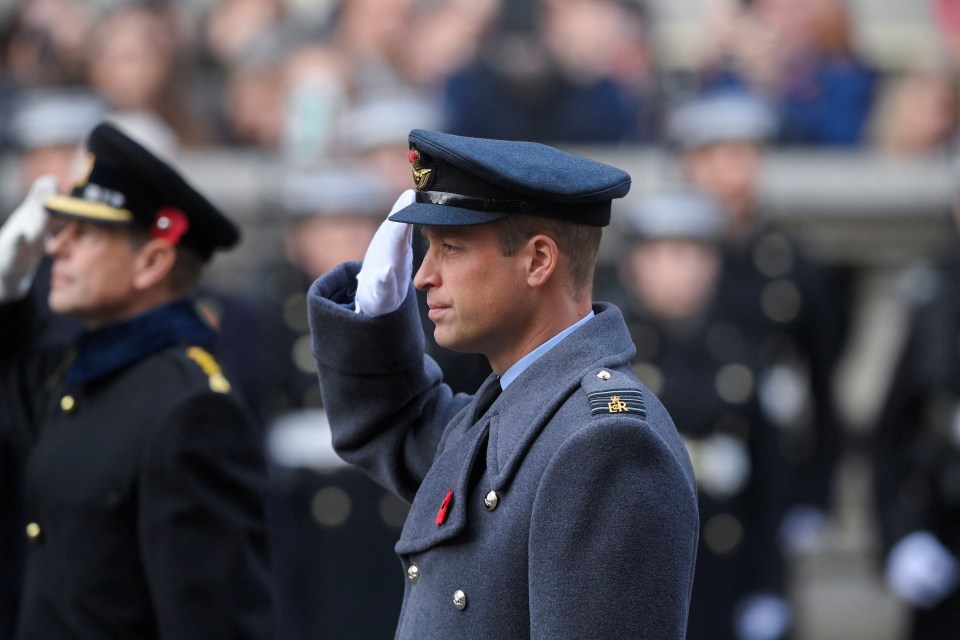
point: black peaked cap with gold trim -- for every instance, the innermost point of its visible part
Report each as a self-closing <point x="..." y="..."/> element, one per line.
<point x="466" y="181"/>
<point x="126" y="185"/>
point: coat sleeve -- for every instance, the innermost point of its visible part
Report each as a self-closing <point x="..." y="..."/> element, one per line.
<point x="385" y="399"/>
<point x="613" y="538"/>
<point x="202" y="523"/>
<point x="26" y="371"/>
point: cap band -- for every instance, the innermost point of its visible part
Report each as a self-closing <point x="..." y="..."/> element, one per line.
<point x="87" y="209"/>
<point x="474" y="203"/>
<point x="597" y="213"/>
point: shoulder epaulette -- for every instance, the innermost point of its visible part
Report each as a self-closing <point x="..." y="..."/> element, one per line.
<point x="612" y="393"/>
<point x="209" y="365"/>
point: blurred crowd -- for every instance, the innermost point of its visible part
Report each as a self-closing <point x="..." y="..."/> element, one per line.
<point x="737" y="329"/>
<point x="296" y="78"/>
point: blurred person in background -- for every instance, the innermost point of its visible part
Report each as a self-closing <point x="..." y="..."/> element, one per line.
<point x="318" y="94"/>
<point x="144" y="471"/>
<point x="791" y="305"/>
<point x="375" y="132"/>
<point x="372" y="36"/>
<point x="697" y="359"/>
<point x="230" y="26"/>
<point x="448" y="34"/>
<point x="916" y="449"/>
<point x="329" y="215"/>
<point x="801" y="57"/>
<point x="238" y="79"/>
<point x="45" y="129"/>
<point x="252" y="112"/>
<point x="917" y="115"/>
<point x="47" y="42"/>
<point x="332" y="528"/>
<point x="138" y="61"/>
<point x="559" y="78"/>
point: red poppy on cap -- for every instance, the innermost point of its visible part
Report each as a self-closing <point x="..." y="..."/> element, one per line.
<point x="170" y="224"/>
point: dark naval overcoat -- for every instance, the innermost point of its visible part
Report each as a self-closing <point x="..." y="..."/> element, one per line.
<point x="143" y="485"/>
<point x="567" y="511"/>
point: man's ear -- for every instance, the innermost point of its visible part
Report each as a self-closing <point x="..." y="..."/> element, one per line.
<point x="543" y="255"/>
<point x="154" y="261"/>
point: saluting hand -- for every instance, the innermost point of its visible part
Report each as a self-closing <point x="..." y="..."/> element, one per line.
<point x="21" y="240"/>
<point x="384" y="278"/>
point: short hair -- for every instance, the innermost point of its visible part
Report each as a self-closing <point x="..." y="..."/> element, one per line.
<point x="187" y="268"/>
<point x="579" y="242"/>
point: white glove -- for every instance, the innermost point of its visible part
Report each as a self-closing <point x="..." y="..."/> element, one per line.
<point x="21" y="240"/>
<point x="762" y="616"/>
<point x="921" y="570"/>
<point x="387" y="265"/>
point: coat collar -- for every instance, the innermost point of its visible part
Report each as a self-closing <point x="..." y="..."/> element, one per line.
<point x="506" y="432"/>
<point x="113" y="347"/>
<point x="523" y="409"/>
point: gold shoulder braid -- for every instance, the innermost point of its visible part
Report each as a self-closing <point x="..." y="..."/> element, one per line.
<point x="218" y="382"/>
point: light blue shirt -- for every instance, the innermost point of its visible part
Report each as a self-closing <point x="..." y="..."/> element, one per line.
<point x="521" y="365"/>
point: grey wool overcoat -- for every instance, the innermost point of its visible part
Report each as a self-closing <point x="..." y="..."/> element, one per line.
<point x="567" y="511"/>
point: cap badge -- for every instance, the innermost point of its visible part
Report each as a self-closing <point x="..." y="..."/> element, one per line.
<point x="170" y="224"/>
<point x="421" y="175"/>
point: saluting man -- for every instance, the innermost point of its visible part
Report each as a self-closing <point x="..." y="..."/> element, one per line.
<point x="559" y="501"/>
<point x="144" y="475"/>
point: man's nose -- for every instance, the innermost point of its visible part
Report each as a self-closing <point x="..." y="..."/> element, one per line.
<point x="425" y="277"/>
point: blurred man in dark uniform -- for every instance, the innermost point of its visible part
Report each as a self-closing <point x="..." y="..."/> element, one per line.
<point x="917" y="452"/>
<point x="689" y="354"/>
<point x="332" y="528"/>
<point x="43" y="131"/>
<point x="791" y="305"/>
<point x="329" y="214"/>
<point x="144" y="473"/>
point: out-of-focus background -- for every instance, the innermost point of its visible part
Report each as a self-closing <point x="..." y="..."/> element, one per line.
<point x="292" y="115"/>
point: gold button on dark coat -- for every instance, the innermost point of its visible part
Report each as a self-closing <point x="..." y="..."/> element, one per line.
<point x="67" y="403"/>
<point x="413" y="573"/>
<point x="34" y="532"/>
<point x="459" y="600"/>
<point x="491" y="500"/>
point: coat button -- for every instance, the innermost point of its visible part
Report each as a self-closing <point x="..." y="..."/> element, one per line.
<point x="413" y="574"/>
<point x="34" y="532"/>
<point x="67" y="403"/>
<point x="459" y="600"/>
<point x="491" y="500"/>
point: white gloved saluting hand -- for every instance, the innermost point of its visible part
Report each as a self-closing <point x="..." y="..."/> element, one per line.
<point x="387" y="265"/>
<point x="21" y="240"/>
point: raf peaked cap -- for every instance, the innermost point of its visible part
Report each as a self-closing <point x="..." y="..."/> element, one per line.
<point x="126" y="185"/>
<point x="466" y="181"/>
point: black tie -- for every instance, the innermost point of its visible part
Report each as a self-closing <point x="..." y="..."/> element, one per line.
<point x="486" y="399"/>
